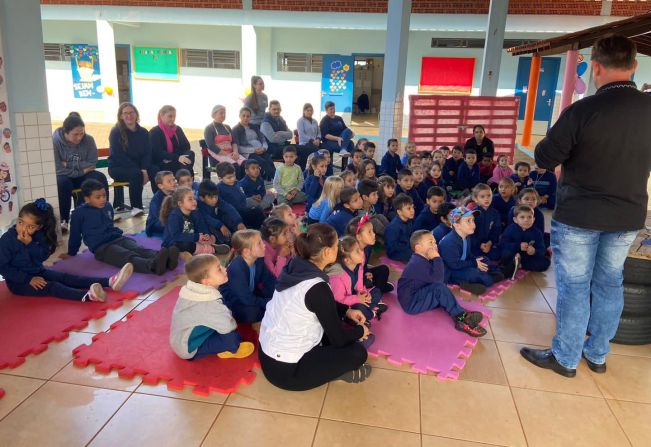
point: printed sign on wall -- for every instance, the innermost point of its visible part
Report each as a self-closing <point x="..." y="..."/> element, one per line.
<point x="86" y="78"/>
<point x="8" y="188"/>
<point x="337" y="82"/>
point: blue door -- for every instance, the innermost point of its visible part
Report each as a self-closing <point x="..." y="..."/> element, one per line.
<point x="549" y="68"/>
<point x="337" y="82"/>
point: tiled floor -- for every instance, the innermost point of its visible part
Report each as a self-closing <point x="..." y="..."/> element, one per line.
<point x="499" y="399"/>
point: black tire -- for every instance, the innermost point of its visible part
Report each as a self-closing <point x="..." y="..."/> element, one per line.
<point x="633" y="330"/>
<point x="637" y="271"/>
<point x="637" y="299"/>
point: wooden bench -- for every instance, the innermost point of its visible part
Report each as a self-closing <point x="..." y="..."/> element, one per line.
<point x="102" y="162"/>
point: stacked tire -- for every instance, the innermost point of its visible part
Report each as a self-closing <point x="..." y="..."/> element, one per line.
<point x="635" y="322"/>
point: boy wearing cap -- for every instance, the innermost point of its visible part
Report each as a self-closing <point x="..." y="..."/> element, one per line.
<point x="398" y="232"/>
<point x="421" y="287"/>
<point x="463" y="267"/>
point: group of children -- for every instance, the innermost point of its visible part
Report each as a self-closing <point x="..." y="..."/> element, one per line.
<point x="494" y="227"/>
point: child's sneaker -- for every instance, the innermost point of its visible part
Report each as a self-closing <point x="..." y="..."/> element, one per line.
<point x="135" y="212"/>
<point x="381" y="308"/>
<point x="474" y="288"/>
<point x="471" y="318"/>
<point x="159" y="262"/>
<point x="245" y="349"/>
<point x="173" y="253"/>
<point x="120" y="278"/>
<point x="64" y="226"/>
<point x="357" y="375"/>
<point x="95" y="293"/>
<point x="221" y="249"/>
<point x="473" y="331"/>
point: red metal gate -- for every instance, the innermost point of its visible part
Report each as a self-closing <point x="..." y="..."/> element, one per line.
<point x="436" y="121"/>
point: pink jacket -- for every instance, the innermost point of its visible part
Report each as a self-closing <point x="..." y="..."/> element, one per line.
<point x="340" y="284"/>
<point x="499" y="174"/>
<point x="273" y="260"/>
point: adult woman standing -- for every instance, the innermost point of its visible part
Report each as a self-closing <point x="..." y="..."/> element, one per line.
<point x="480" y="143"/>
<point x="257" y="101"/>
<point x="170" y="148"/>
<point x="130" y="156"/>
<point x="250" y="142"/>
<point x="336" y="135"/>
<point x="303" y="344"/>
<point x="219" y="139"/>
<point x="75" y="157"/>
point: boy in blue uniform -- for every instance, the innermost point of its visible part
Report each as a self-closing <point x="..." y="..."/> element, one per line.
<point x="405" y="185"/>
<point x="468" y="175"/>
<point x="391" y="163"/>
<point x="428" y="219"/>
<point x="544" y="182"/>
<point x="221" y="219"/>
<point x="504" y="199"/>
<point x="399" y="230"/>
<point x="451" y="167"/>
<point x="253" y="187"/>
<point x="488" y="224"/>
<point x="230" y="192"/>
<point x="166" y="184"/>
<point x="421" y="286"/>
<point x="522" y="240"/>
<point x="348" y="207"/>
<point x="521" y="177"/>
<point x="444" y="226"/>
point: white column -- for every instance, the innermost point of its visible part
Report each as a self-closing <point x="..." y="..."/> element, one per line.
<point x="249" y="54"/>
<point x="395" y="67"/>
<point x="108" y="69"/>
<point x="493" y="47"/>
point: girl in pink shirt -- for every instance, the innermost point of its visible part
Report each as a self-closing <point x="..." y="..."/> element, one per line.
<point x="502" y="170"/>
<point x="278" y="248"/>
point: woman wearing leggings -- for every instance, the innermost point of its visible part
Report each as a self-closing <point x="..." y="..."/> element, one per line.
<point x="303" y="342"/>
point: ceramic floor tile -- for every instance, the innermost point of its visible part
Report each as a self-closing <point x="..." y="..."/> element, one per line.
<point x="17" y="389"/>
<point x="523" y="374"/>
<point x="631" y="350"/>
<point x="544" y="279"/>
<point x="382" y="363"/>
<point x="627" y="378"/>
<point x="484" y="364"/>
<point x="243" y="427"/>
<point x="367" y="402"/>
<point x="60" y="414"/>
<point x="473" y="411"/>
<point x="523" y="327"/>
<point x="154" y="420"/>
<point x="103" y="324"/>
<point x="523" y="295"/>
<point x="554" y="419"/>
<point x="186" y="393"/>
<point x="634" y="419"/>
<point x="89" y="377"/>
<point x="262" y="395"/>
<point x="342" y="434"/>
<point x="550" y="295"/>
<point x="50" y="361"/>
<point x="436" y="441"/>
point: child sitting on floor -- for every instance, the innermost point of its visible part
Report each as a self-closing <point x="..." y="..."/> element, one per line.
<point x="468" y="175"/>
<point x="184" y="178"/>
<point x="486" y="168"/>
<point x="529" y="197"/>
<point x="438" y="157"/>
<point x="285" y="213"/>
<point x="362" y="230"/>
<point x="397" y="233"/>
<point x="444" y="226"/>
<point x="524" y="241"/>
<point x="322" y="208"/>
<point x="250" y="283"/>
<point x="166" y="184"/>
<point x="435" y="177"/>
<point x="368" y="190"/>
<point x="428" y="219"/>
<point x="278" y="247"/>
<point x="488" y="224"/>
<point x="391" y="163"/>
<point x="419" y="183"/>
<point x="386" y="193"/>
<point x="183" y="228"/>
<point x="369" y="153"/>
<point x="521" y="177"/>
<point x="92" y="222"/>
<point x="349" y="178"/>
<point x="355" y="160"/>
<point x="451" y="167"/>
<point x="544" y="182"/>
<point x="502" y="170"/>
<point x="504" y="199"/>
<point x="325" y="153"/>
<point x="314" y="182"/>
<point x="288" y="180"/>
<point x="201" y="324"/>
<point x="350" y="202"/>
<point x="410" y="151"/>
<point x="221" y="218"/>
<point x="405" y="184"/>
<point x="25" y="246"/>
<point x="347" y="281"/>
<point x="421" y="286"/>
<point x="426" y="161"/>
<point x="413" y="162"/>
<point x="253" y="187"/>
<point x="230" y="192"/>
<point x="367" y="170"/>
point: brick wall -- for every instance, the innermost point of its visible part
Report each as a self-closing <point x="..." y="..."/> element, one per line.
<point x="222" y="4"/>
<point x="628" y="8"/>
<point x="378" y="6"/>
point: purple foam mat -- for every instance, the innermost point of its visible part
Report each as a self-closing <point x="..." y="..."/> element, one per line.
<point x="140" y="282"/>
<point x="428" y="341"/>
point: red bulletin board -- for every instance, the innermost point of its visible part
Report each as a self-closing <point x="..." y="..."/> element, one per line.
<point x="446" y="75"/>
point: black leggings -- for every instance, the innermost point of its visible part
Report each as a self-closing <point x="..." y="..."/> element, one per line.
<point x="380" y="277"/>
<point x="133" y="175"/>
<point x="320" y="365"/>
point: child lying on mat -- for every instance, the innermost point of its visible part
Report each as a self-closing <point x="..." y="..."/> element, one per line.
<point x="421" y="287"/>
<point x="201" y="324"/>
<point x="30" y="242"/>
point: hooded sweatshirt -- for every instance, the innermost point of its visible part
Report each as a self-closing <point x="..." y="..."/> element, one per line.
<point x="76" y="157"/>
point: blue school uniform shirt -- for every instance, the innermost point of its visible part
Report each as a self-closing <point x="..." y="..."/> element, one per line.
<point x="488" y="226"/>
<point x="421" y="189"/>
<point x="238" y="292"/>
<point x="320" y="212"/>
<point x="539" y="219"/>
<point x="19" y="263"/>
<point x="514" y="235"/>
<point x="252" y="187"/>
<point x="396" y="239"/>
<point x="440" y="231"/>
<point x="418" y="203"/>
<point x="154" y="227"/>
<point x="545" y="185"/>
<point x="390" y="164"/>
<point x="468" y="177"/>
<point x="503" y="207"/>
<point x="339" y="219"/>
<point x="456" y="252"/>
<point x="426" y="220"/>
<point x="429" y="182"/>
<point x="182" y="228"/>
<point x="418" y="273"/>
<point x="93" y="226"/>
<point x="451" y="165"/>
<point x="312" y="189"/>
<point x="523" y="183"/>
<point x="232" y="194"/>
<point x="216" y="216"/>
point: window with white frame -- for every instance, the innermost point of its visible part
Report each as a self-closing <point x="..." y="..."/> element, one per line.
<point x="300" y="62"/>
<point x="224" y="59"/>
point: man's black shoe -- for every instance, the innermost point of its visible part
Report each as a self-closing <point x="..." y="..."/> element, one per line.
<point x="599" y="368"/>
<point x="544" y="358"/>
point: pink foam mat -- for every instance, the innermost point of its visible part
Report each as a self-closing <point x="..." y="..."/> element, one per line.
<point x="139" y="282"/>
<point x="29" y="324"/>
<point x="140" y="346"/>
<point x="396" y="265"/>
<point x="428" y="341"/>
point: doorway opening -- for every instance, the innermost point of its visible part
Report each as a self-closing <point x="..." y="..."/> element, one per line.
<point x="367" y="90"/>
<point x="123" y="68"/>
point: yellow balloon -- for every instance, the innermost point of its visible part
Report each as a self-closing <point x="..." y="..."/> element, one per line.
<point x="247" y="91"/>
<point x="108" y="91"/>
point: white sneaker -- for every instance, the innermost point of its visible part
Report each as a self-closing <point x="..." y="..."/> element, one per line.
<point x="120" y="278"/>
<point x="135" y="212"/>
<point x="95" y="293"/>
<point x="344" y="153"/>
<point x="64" y="226"/>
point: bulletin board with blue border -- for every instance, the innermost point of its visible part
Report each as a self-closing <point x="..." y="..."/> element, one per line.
<point x="158" y="64"/>
<point x="337" y="82"/>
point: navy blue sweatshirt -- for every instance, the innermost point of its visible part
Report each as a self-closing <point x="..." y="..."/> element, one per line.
<point x="222" y="214"/>
<point x="539" y="219"/>
<point x="154" y="227"/>
<point x="546" y="186"/>
<point x="440" y="232"/>
<point x="488" y="226"/>
<point x="92" y="225"/>
<point x="252" y="187"/>
<point x="19" y="263"/>
<point x="396" y="239"/>
<point x="421" y="189"/>
<point x="503" y="207"/>
<point x="386" y="209"/>
<point x="138" y="154"/>
<point x="418" y="203"/>
<point x="456" y="252"/>
<point x="514" y="235"/>
<point x="451" y="165"/>
<point x="390" y="164"/>
<point x="312" y="188"/>
<point x="522" y="182"/>
<point x="339" y="218"/>
<point x="237" y="292"/>
<point x="426" y="220"/>
<point x="418" y="273"/>
<point x="232" y="194"/>
<point x="468" y="177"/>
<point x="182" y="228"/>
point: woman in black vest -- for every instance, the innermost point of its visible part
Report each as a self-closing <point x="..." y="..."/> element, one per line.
<point x="480" y="143"/>
<point x="170" y="149"/>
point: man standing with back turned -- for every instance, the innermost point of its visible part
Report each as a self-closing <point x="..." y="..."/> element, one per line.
<point x="603" y="143"/>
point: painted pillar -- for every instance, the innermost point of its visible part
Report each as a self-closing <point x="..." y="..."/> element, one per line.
<point x="532" y="92"/>
<point x="569" y="78"/>
<point x="395" y="67"/>
<point x="249" y="55"/>
<point x="494" y="47"/>
<point x="108" y="69"/>
<point x="29" y="156"/>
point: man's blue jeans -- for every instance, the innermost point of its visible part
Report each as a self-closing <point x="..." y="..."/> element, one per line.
<point x="588" y="264"/>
